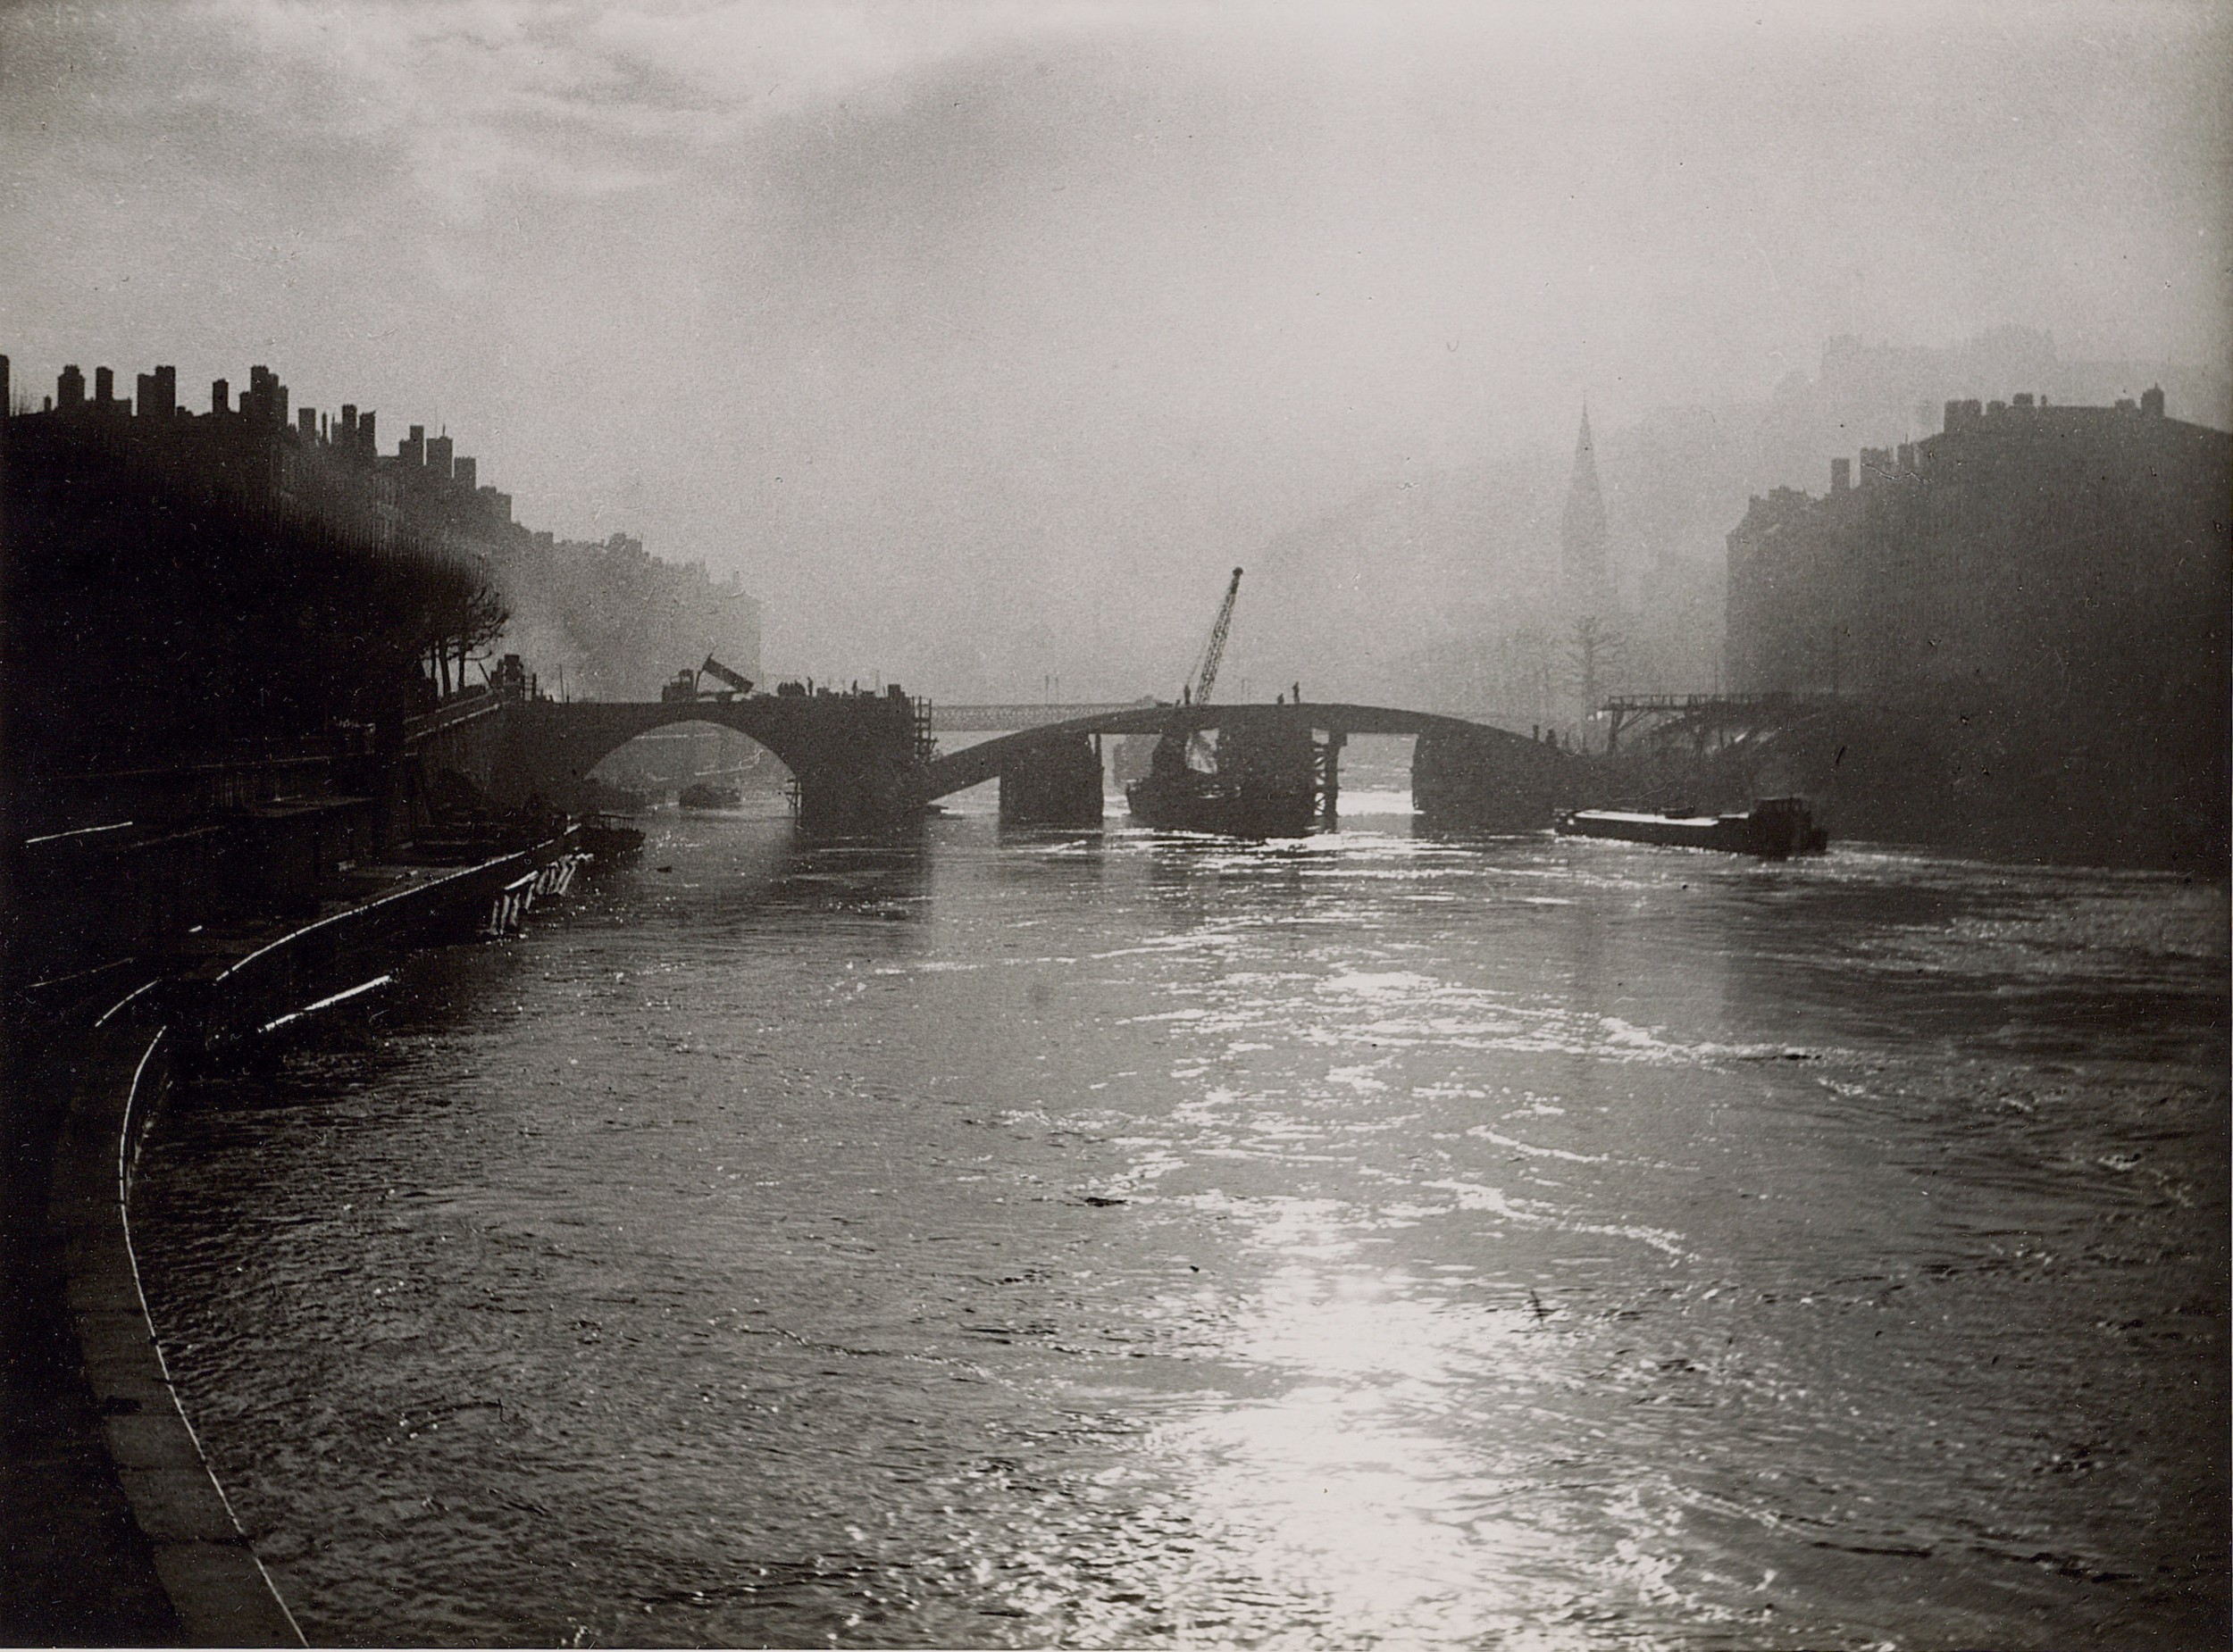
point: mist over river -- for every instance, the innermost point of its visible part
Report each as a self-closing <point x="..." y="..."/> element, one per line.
<point x="1022" y="1239"/>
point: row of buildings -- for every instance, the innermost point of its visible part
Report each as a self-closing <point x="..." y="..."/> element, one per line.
<point x="327" y="463"/>
<point x="606" y="618"/>
<point x="2026" y="546"/>
<point x="2013" y="634"/>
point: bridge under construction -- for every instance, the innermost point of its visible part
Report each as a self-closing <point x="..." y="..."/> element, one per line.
<point x="865" y="761"/>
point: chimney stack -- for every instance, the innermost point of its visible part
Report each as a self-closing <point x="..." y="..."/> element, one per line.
<point x="158" y="395"/>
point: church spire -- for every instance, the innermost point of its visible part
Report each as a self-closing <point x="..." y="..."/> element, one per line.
<point x="1582" y="541"/>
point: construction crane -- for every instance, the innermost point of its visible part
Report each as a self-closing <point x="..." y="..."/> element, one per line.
<point x="1205" y="678"/>
<point x="1191" y="747"/>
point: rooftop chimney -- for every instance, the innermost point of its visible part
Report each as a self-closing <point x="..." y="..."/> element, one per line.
<point x="158" y="395"/>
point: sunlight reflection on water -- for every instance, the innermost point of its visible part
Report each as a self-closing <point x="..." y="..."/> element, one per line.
<point x="1029" y="1239"/>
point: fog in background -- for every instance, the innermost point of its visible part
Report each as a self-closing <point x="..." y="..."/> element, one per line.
<point x="983" y="340"/>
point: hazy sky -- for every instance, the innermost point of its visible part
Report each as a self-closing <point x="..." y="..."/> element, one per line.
<point x="973" y="325"/>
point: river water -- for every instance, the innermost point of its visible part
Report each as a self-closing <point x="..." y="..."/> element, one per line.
<point x="1031" y="1239"/>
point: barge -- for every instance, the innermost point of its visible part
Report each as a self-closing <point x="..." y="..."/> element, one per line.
<point x="1176" y="798"/>
<point x="1773" y="828"/>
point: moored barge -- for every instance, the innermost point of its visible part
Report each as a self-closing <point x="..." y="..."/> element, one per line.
<point x="1773" y="828"/>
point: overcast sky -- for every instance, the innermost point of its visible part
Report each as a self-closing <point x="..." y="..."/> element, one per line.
<point x="961" y="322"/>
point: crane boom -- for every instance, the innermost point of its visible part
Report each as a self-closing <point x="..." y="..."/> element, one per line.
<point x="1206" y="674"/>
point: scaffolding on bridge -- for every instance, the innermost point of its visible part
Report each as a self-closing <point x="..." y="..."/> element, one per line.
<point x="1706" y="721"/>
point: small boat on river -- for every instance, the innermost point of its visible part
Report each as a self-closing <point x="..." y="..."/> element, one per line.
<point x="608" y="841"/>
<point x="1773" y="828"/>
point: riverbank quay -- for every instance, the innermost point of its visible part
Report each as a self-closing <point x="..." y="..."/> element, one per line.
<point x="112" y="1529"/>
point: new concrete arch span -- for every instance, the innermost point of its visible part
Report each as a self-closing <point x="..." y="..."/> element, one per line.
<point x="1470" y="773"/>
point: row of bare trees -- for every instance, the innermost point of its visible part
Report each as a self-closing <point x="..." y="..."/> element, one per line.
<point x="464" y="618"/>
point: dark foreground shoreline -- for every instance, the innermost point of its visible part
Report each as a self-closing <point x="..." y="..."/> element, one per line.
<point x="112" y="1529"/>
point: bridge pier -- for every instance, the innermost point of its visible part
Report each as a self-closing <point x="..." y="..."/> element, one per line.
<point x="1491" y="781"/>
<point x="1275" y="754"/>
<point x="1056" y="783"/>
<point x="852" y="802"/>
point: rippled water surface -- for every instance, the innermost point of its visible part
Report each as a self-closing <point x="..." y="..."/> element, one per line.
<point x="1014" y="1240"/>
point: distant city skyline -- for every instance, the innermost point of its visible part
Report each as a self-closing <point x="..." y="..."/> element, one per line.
<point x="991" y="335"/>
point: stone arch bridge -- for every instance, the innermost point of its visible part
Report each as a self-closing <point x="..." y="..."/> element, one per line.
<point x="863" y="760"/>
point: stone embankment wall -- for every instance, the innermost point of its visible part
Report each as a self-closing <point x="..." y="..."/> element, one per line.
<point x="217" y="1589"/>
<point x="121" y="1533"/>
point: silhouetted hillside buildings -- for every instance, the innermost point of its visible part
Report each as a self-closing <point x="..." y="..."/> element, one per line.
<point x="606" y="618"/>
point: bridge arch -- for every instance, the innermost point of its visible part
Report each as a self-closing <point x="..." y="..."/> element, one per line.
<point x="853" y="755"/>
<point x="1517" y="757"/>
<point x="674" y="754"/>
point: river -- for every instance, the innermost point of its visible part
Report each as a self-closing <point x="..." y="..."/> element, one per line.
<point x="1029" y="1239"/>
